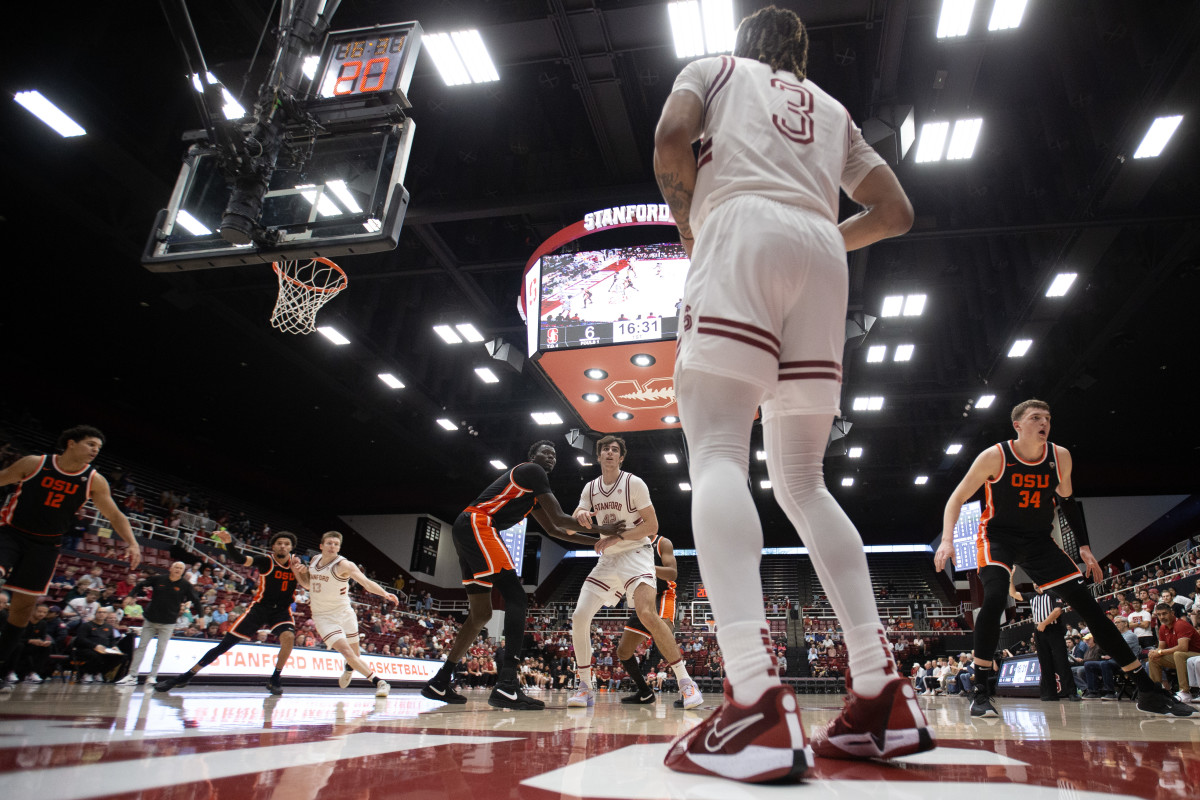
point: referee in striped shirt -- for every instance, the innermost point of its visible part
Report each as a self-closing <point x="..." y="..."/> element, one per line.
<point x="1052" y="647"/>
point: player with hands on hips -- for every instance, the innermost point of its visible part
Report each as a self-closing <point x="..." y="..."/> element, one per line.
<point x="1025" y="479"/>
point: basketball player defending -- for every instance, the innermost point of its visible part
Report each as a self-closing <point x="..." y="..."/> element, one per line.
<point x="50" y="489"/>
<point x="270" y="608"/>
<point x="1023" y="479"/>
<point x="486" y="563"/>
<point x="625" y="569"/>
<point x="763" y="325"/>
<point x="327" y="578"/>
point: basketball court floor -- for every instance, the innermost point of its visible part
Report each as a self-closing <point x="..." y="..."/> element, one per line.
<point x="63" y="741"/>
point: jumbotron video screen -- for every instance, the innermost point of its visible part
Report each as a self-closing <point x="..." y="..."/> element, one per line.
<point x="624" y="294"/>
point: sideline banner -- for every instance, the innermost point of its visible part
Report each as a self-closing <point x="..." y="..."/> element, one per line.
<point x="256" y="660"/>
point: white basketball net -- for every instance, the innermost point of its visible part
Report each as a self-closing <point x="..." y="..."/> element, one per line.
<point x="304" y="286"/>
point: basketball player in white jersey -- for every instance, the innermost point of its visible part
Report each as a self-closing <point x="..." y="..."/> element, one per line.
<point x="327" y="578"/>
<point x="625" y="569"/>
<point x="763" y="324"/>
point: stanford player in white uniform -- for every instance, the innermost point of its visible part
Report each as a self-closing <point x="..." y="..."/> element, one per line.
<point x="327" y="578"/>
<point x="625" y="568"/>
<point x="764" y="305"/>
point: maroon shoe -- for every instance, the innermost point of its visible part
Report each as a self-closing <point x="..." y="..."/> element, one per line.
<point x="889" y="725"/>
<point x="756" y="743"/>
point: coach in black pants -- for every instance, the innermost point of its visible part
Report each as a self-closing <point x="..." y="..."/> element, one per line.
<point x="1052" y="648"/>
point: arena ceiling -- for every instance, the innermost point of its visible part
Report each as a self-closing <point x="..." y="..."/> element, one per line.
<point x="183" y="370"/>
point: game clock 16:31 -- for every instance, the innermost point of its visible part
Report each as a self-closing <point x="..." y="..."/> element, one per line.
<point x="636" y="330"/>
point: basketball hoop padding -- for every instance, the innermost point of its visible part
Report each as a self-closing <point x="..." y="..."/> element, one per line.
<point x="304" y="286"/>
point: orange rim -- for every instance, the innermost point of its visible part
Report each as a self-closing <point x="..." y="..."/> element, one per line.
<point x="331" y="290"/>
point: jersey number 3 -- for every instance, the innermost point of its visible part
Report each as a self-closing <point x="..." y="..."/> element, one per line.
<point x="797" y="125"/>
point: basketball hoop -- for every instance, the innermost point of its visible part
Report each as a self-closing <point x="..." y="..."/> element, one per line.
<point x="303" y="288"/>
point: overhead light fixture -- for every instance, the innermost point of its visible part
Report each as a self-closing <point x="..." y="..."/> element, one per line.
<point x="1019" y="348"/>
<point x="192" y="225"/>
<point x="460" y="57"/>
<point x="985" y="401"/>
<point x="876" y="353"/>
<point x="868" y="403"/>
<point x="921" y="480"/>
<point x="685" y="486"/>
<point x="955" y="19"/>
<point x="764" y="484"/>
<point x="932" y="142"/>
<point x="1061" y="284"/>
<point x="595" y="374"/>
<point x="469" y="332"/>
<point x="670" y="419"/>
<point x="671" y="458"/>
<point x="486" y="375"/>
<point x="232" y="108"/>
<point x="624" y="416"/>
<point x="583" y="462"/>
<point x="373" y="226"/>
<point x="447" y="333"/>
<point x="892" y="306"/>
<point x="447" y="424"/>
<point x="761" y="455"/>
<point x="642" y="360"/>
<point x="904" y="352"/>
<point x="1157" y="137"/>
<point x="309" y="68"/>
<point x="546" y="418"/>
<point x="390" y="380"/>
<point x="855" y="452"/>
<point x="47" y="112"/>
<point x="1006" y="14"/>
<point x="498" y="464"/>
<point x="592" y="397"/>
<point x="333" y="335"/>
<point x="914" y="305"/>
<point x="953" y="449"/>
<point x="700" y="28"/>
<point x="847" y="481"/>
<point x="962" y="141"/>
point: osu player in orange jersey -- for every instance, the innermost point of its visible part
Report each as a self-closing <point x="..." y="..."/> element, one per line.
<point x="1025" y="478"/>
<point x="50" y="489"/>
<point x="271" y="608"/>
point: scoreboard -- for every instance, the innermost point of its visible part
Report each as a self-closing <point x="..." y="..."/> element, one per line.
<point x="593" y="333"/>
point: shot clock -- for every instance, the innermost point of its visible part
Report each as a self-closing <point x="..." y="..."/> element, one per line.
<point x="366" y="63"/>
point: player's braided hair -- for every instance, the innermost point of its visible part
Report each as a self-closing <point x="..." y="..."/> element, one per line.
<point x="776" y="37"/>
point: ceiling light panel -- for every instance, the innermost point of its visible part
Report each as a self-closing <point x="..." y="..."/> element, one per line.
<point x="47" y="112"/>
<point x="955" y="19"/>
<point x="1157" y="137"/>
<point x="1006" y="14"/>
<point x="1061" y="284"/>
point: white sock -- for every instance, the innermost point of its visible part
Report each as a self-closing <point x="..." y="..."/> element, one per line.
<point x="749" y="663"/>
<point x="581" y="633"/>
<point x="795" y="450"/>
<point x="717" y="415"/>
<point x="680" y="670"/>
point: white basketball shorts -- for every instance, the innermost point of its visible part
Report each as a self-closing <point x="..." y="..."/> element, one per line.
<point x="615" y="576"/>
<point x="765" y="302"/>
<point x="335" y="625"/>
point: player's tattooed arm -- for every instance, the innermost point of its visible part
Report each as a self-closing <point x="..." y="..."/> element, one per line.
<point x="674" y="161"/>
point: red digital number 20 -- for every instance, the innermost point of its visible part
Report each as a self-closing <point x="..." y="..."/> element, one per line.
<point x="798" y="125"/>
<point x="349" y="80"/>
